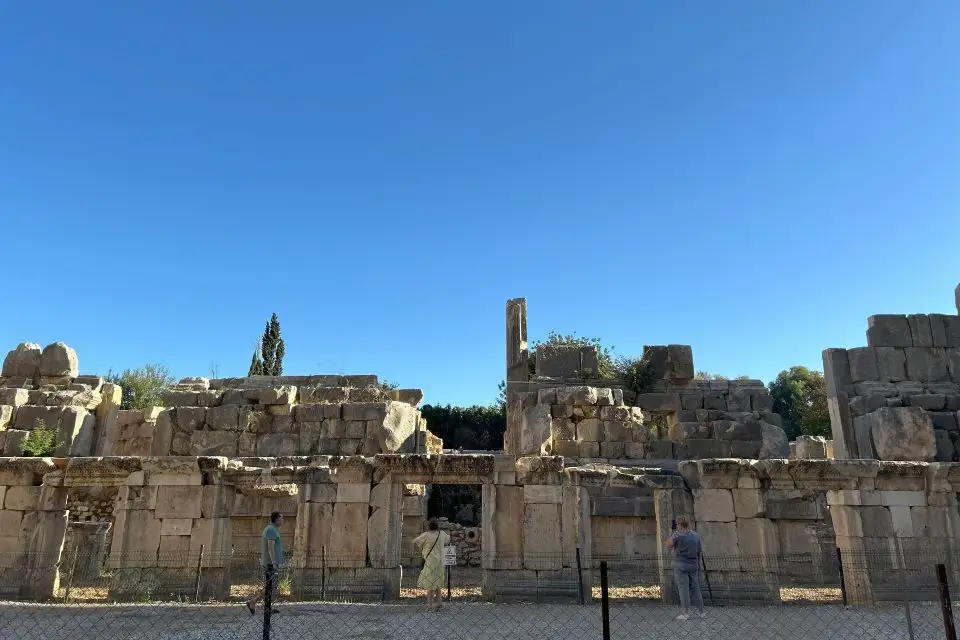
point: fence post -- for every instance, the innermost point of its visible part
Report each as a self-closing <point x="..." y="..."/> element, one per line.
<point x="267" y="601"/>
<point x="449" y="569"/>
<point x="843" y="583"/>
<point x="580" y="576"/>
<point x="199" y="571"/>
<point x="946" y="605"/>
<point x="323" y="573"/>
<point x="73" y="568"/>
<point x="605" y="600"/>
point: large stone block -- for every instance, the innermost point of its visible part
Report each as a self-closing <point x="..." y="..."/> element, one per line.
<point x="660" y="402"/>
<point x="888" y="330"/>
<point x="927" y="364"/>
<point x="774" y="443"/>
<point x="720" y="544"/>
<point x="714" y="505"/>
<point x="863" y="364"/>
<point x="286" y="394"/>
<point x="58" y="359"/>
<point x="348" y="534"/>
<point x="566" y="361"/>
<point x="23" y="361"/>
<point x="223" y="418"/>
<point x="179" y="502"/>
<point x="542" y="536"/>
<point x="901" y="433"/>
<point x="920" y="330"/>
<point x="213" y="443"/>
<point x="891" y="364"/>
<point x="536" y="423"/>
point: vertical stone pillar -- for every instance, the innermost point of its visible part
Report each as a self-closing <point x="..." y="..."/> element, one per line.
<point x="105" y="433"/>
<point x="836" y="371"/>
<point x="501" y="536"/>
<point x="517" y="370"/>
<point x="668" y="504"/>
<point x="312" y="536"/>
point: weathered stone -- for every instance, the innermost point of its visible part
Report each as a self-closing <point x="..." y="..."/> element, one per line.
<point x="583" y="396"/>
<point x="775" y="443"/>
<point x="590" y="429"/>
<point x="714" y="505"/>
<point x="946" y="452"/>
<point x="891" y="364"/>
<point x="863" y="364"/>
<point x="563" y="429"/>
<point x="14" y="397"/>
<point x="6" y="416"/>
<point x="904" y="433"/>
<point x="286" y="394"/>
<point x="179" y="502"/>
<point x="793" y="510"/>
<point x="953" y="363"/>
<point x="604" y="397"/>
<point x="23" y="361"/>
<point x="928" y="401"/>
<point x="612" y="450"/>
<point x="927" y="364"/>
<point x="365" y="411"/>
<point x="223" y="418"/>
<point x="213" y="443"/>
<point x="326" y="395"/>
<point x="748" y="503"/>
<point x="413" y="397"/>
<point x="945" y="330"/>
<point x="946" y="420"/>
<point x="173" y="398"/>
<point x="659" y="401"/>
<point x="920" y="331"/>
<point x="589" y="449"/>
<point x="13" y="441"/>
<point x="888" y="330"/>
<point x="715" y="401"/>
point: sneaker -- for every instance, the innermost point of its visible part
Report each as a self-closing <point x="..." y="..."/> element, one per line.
<point x="682" y="616"/>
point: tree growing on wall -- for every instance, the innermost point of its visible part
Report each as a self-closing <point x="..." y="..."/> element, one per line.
<point x="142" y="387"/>
<point x="267" y="357"/>
<point x="606" y="368"/>
<point x="800" y="397"/>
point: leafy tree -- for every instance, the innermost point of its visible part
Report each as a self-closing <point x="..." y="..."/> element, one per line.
<point x="476" y="427"/>
<point x="606" y="367"/>
<point x="706" y="375"/>
<point x="800" y="397"/>
<point x="268" y="356"/>
<point x="142" y="387"/>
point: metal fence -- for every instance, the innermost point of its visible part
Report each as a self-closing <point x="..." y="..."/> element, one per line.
<point x="183" y="596"/>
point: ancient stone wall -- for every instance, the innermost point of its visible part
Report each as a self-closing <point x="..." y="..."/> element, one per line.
<point x="594" y="423"/>
<point x="898" y="398"/>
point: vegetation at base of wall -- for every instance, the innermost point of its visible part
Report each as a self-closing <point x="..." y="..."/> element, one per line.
<point x="267" y="357"/>
<point x="605" y="363"/>
<point x="636" y="374"/>
<point x="142" y="387"/>
<point x="41" y="441"/>
<point x="472" y="428"/>
<point x="800" y="397"/>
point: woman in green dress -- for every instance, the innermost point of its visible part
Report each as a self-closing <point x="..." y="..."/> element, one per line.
<point x="431" y="543"/>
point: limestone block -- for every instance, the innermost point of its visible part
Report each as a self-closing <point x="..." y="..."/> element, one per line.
<point x="758" y="537"/>
<point x="713" y="505"/>
<point x="863" y="364"/>
<point x="793" y="510"/>
<point x="891" y="364"/>
<point x="14" y="397"/>
<point x="355" y="429"/>
<point x="659" y="401"/>
<point x="738" y="400"/>
<point x="774" y="442"/>
<point x="179" y="502"/>
<point x="620" y="414"/>
<point x="313" y="532"/>
<point x="542" y="494"/>
<point x="175" y="398"/>
<point x="929" y="401"/>
<point x="223" y="418"/>
<point x="715" y="401"/>
<point x="888" y="330"/>
<point x="136" y="538"/>
<point x="542" y="539"/>
<point x="745" y="449"/>
<point x="353" y="492"/>
<point x="286" y="394"/>
<point x="193" y="418"/>
<point x="6" y="416"/>
<point x="953" y="363"/>
<point x="535" y="427"/>
<point x="582" y="396"/>
<point x="927" y="364"/>
<point x="278" y="444"/>
<point x="720" y="544"/>
<point x="413" y="397"/>
<point x="692" y="401"/>
<point x="10" y="524"/>
<point x="748" y="503"/>
<point x="612" y="450"/>
<point x="935" y="522"/>
<point x="618" y="396"/>
<point x="213" y="443"/>
<point x="175" y="527"/>
<point x="761" y="401"/>
<point x="902" y="433"/>
<point x="566" y="361"/>
<point x="589" y="449"/>
<point x="348" y="533"/>
<point x="590" y="429"/>
<point x="946" y="452"/>
<point x="945" y="420"/>
<point x="365" y="411"/>
<point x="891" y="498"/>
<point x="921" y="332"/>
<point x="901" y="521"/>
<point x="23" y="361"/>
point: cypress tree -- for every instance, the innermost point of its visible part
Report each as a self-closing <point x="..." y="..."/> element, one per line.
<point x="269" y="361"/>
<point x="256" y="365"/>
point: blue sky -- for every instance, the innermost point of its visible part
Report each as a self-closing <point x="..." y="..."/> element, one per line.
<point x="750" y="178"/>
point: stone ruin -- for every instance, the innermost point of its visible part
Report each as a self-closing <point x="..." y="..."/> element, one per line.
<point x="590" y="471"/>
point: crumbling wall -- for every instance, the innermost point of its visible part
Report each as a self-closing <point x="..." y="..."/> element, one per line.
<point x="594" y="423"/>
<point x="898" y="398"/>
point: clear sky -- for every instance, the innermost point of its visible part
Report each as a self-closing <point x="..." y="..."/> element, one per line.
<point x="751" y="178"/>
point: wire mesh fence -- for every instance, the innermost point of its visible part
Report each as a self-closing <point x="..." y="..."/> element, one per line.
<point x="190" y="595"/>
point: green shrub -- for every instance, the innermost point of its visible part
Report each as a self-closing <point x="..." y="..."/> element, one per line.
<point x="41" y="441"/>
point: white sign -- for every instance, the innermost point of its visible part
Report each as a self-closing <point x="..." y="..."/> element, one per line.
<point x="449" y="556"/>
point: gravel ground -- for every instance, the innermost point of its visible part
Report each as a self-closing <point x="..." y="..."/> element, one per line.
<point x="469" y="620"/>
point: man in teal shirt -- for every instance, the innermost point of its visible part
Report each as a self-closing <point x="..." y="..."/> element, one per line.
<point x="271" y="557"/>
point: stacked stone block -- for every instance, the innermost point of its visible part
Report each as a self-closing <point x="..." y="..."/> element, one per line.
<point x="33" y="521"/>
<point x="732" y="420"/>
<point x="898" y="398"/>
